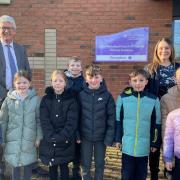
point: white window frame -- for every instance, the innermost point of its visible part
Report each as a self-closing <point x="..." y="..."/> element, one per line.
<point x="5" y="1"/>
<point x="176" y="38"/>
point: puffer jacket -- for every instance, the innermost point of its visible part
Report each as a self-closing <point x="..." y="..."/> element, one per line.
<point x="74" y="83"/>
<point x="138" y="122"/>
<point x="171" y="145"/>
<point x="59" y="117"/>
<point x="97" y="114"/>
<point x="20" y="128"/>
<point x="169" y="102"/>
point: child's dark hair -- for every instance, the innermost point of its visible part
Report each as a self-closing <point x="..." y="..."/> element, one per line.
<point x="22" y="73"/>
<point x="92" y="70"/>
<point x="60" y="72"/>
<point x="137" y="72"/>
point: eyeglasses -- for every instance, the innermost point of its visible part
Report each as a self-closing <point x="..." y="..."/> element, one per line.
<point x="6" y="28"/>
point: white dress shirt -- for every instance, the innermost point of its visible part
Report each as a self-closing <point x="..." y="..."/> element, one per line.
<point x="9" y="78"/>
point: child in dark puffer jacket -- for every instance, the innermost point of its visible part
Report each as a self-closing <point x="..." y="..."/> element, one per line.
<point x="97" y="121"/>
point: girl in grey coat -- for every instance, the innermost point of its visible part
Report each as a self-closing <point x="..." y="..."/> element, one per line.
<point x="21" y="132"/>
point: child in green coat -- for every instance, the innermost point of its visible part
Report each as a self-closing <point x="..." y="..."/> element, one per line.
<point x="21" y="132"/>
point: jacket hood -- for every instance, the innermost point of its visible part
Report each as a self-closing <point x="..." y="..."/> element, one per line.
<point x="174" y="91"/>
<point x="130" y="91"/>
<point x="69" y="75"/>
<point x="67" y="93"/>
<point x="31" y="93"/>
<point x="102" y="88"/>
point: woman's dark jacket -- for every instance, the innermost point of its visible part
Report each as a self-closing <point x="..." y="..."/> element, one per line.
<point x="58" y="116"/>
<point x="154" y="82"/>
<point x="97" y="114"/>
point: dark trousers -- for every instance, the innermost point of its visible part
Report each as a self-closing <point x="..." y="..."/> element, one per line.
<point x="154" y="164"/>
<point x="134" y="168"/>
<point x="176" y="172"/>
<point x="77" y="160"/>
<point x="2" y="164"/>
<point x="64" y="171"/>
<point x="27" y="172"/>
<point x="89" y="149"/>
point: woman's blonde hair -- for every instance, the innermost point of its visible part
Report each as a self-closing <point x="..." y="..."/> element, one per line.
<point x="152" y="67"/>
<point x="58" y="72"/>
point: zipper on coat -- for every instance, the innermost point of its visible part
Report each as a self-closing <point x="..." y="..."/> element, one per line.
<point x="137" y="123"/>
<point x="93" y="116"/>
<point x="19" y="153"/>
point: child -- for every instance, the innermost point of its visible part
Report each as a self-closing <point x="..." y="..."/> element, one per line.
<point x="74" y="74"/>
<point x="171" y="143"/>
<point x="97" y="121"/>
<point x="162" y="71"/>
<point x="59" y="116"/>
<point x="19" y="118"/>
<point x="170" y="101"/>
<point x="75" y="83"/>
<point x="137" y="126"/>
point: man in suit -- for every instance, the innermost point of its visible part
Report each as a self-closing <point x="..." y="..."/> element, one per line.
<point x="7" y="34"/>
<point x="13" y="57"/>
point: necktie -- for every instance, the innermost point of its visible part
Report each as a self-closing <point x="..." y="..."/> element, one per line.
<point x="11" y="62"/>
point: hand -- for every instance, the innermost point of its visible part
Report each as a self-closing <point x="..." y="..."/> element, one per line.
<point x="153" y="149"/>
<point x="169" y="166"/>
<point x="118" y="145"/>
<point x="37" y="143"/>
<point x="78" y="141"/>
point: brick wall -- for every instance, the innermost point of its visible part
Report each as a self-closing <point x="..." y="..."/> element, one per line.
<point x="77" y="22"/>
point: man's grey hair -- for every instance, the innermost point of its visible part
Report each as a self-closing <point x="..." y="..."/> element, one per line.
<point x="6" y="18"/>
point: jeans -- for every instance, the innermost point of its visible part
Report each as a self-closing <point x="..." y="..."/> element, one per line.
<point x="90" y="149"/>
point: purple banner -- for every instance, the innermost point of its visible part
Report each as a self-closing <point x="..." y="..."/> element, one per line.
<point x="127" y="46"/>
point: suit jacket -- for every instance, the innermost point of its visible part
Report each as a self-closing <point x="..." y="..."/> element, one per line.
<point x="22" y="63"/>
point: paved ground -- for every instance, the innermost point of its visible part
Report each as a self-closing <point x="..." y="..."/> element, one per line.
<point x="112" y="167"/>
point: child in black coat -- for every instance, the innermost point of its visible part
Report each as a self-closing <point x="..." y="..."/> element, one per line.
<point x="97" y="122"/>
<point x="58" y="116"/>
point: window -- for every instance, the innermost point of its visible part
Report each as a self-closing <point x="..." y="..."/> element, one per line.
<point x="5" y="1"/>
<point x="176" y="28"/>
<point x="176" y="38"/>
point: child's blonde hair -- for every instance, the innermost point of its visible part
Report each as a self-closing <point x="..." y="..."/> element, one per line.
<point x="92" y="70"/>
<point x="152" y="68"/>
<point x="74" y="59"/>
<point x="58" y="72"/>
<point x="22" y="73"/>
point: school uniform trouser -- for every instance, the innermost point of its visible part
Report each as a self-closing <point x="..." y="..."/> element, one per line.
<point x="77" y="160"/>
<point x="27" y="172"/>
<point x="2" y="164"/>
<point x="154" y="164"/>
<point x="176" y="172"/>
<point x="90" y="149"/>
<point x="134" y="168"/>
<point x="64" y="171"/>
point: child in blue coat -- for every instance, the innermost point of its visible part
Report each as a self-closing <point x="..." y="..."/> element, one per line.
<point x="137" y="126"/>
